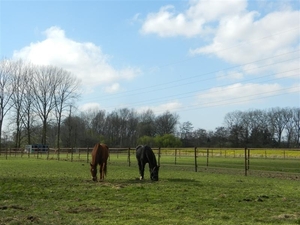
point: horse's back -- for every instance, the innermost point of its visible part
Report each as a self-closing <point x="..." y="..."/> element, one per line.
<point x="145" y="154"/>
<point x="105" y="151"/>
<point x="100" y="153"/>
<point x="140" y="152"/>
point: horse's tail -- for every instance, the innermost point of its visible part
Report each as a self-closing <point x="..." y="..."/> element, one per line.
<point x="106" y="156"/>
<point x="105" y="168"/>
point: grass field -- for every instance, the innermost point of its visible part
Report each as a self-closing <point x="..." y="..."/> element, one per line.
<point x="38" y="191"/>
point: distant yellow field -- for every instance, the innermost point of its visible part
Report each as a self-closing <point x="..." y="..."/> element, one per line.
<point x="84" y="154"/>
<point x="222" y="152"/>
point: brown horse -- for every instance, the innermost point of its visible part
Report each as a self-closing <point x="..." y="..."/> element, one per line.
<point x="99" y="156"/>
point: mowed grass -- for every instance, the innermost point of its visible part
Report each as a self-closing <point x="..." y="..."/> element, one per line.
<point x="39" y="191"/>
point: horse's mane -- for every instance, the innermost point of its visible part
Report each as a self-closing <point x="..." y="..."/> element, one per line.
<point x="150" y="155"/>
<point x="94" y="151"/>
<point x="139" y="146"/>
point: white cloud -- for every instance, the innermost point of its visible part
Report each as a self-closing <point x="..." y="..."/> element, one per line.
<point x="295" y="88"/>
<point x="166" y="22"/>
<point x="238" y="93"/>
<point x="92" y="106"/>
<point x="170" y="106"/>
<point x="112" y="88"/>
<point x="236" y="34"/>
<point x="214" y="10"/>
<point x="85" y="60"/>
<point x="241" y="39"/>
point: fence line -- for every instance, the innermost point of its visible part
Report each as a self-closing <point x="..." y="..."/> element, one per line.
<point x="182" y="156"/>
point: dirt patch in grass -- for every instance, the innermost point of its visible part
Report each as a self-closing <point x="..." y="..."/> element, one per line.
<point x="33" y="219"/>
<point x="83" y="209"/>
<point x="294" y="216"/>
<point x="16" y="207"/>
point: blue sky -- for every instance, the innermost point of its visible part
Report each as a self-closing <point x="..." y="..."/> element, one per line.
<point x="199" y="59"/>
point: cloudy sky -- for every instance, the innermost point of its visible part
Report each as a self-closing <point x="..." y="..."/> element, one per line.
<point x="200" y="59"/>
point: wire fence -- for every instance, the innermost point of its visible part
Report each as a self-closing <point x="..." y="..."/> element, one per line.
<point x="239" y="160"/>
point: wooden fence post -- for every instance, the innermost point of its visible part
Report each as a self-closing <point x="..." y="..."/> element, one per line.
<point x="195" y="153"/>
<point x="72" y="154"/>
<point x="175" y="156"/>
<point x="87" y="155"/>
<point x="159" y="156"/>
<point x="247" y="160"/>
<point x="128" y="156"/>
<point x="207" y="157"/>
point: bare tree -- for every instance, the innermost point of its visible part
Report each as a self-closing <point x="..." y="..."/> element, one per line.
<point x="146" y="125"/>
<point x="200" y="137"/>
<point x="74" y="133"/>
<point x="65" y="92"/>
<point x="278" y="123"/>
<point x="233" y="120"/>
<point x="21" y="74"/>
<point x="132" y="123"/>
<point x="186" y="129"/>
<point x="45" y="82"/>
<point x="98" y="123"/>
<point x="127" y="125"/>
<point x="288" y="117"/>
<point x="112" y="128"/>
<point x="296" y="122"/>
<point x="6" y="90"/>
<point x="166" y="123"/>
<point x="88" y="117"/>
<point x="220" y="136"/>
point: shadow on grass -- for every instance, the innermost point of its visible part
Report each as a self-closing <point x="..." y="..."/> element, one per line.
<point x="136" y="182"/>
<point x="178" y="180"/>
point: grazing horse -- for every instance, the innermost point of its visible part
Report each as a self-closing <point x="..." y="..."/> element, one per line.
<point x="144" y="154"/>
<point x="99" y="156"/>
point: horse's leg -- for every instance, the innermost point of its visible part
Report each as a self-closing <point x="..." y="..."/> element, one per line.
<point x="101" y="171"/>
<point x="104" y="170"/>
<point x="95" y="177"/>
<point x="141" y="168"/>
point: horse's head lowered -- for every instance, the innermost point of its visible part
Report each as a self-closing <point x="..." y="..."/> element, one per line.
<point x="93" y="172"/>
<point x="154" y="173"/>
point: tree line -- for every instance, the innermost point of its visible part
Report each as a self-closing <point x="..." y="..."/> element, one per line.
<point x="38" y="103"/>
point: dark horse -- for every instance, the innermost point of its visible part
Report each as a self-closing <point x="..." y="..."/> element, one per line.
<point x="99" y="156"/>
<point x="144" y="154"/>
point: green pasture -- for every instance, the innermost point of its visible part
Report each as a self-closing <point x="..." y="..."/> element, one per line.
<point x="223" y="160"/>
<point x="39" y="191"/>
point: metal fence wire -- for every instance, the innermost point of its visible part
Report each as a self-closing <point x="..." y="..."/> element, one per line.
<point x="198" y="159"/>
